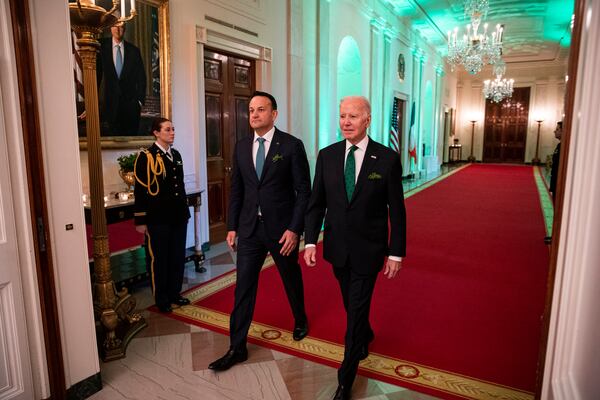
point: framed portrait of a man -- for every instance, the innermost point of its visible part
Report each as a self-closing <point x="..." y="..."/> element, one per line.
<point x="133" y="77"/>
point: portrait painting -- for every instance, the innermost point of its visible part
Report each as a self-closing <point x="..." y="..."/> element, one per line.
<point x="132" y="72"/>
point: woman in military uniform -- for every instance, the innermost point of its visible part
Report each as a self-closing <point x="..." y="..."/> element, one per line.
<point x="162" y="213"/>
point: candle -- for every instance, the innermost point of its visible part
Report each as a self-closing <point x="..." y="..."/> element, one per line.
<point x="448" y="36"/>
<point x="123" y="9"/>
<point x="132" y="5"/>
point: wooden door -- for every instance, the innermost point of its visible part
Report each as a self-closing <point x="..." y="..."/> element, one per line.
<point x="505" y="130"/>
<point x="15" y="364"/>
<point x="229" y="83"/>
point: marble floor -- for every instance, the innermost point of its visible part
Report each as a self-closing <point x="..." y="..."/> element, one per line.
<point x="169" y="359"/>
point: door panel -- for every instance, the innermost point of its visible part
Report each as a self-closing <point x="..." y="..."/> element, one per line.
<point x="505" y="130"/>
<point x="229" y="83"/>
<point x="15" y="370"/>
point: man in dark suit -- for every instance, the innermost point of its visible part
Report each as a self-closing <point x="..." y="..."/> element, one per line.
<point x="358" y="190"/>
<point x="555" y="160"/>
<point x="270" y="188"/>
<point x="122" y="76"/>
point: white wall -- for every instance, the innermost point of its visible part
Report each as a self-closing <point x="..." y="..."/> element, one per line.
<point x="54" y="73"/>
<point x="573" y="358"/>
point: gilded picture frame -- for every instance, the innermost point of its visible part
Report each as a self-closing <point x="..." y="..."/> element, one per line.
<point x="148" y="31"/>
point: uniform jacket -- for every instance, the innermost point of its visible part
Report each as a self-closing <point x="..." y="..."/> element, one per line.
<point x="170" y="203"/>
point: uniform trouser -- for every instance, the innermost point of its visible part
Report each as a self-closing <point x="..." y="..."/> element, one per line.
<point x="357" y="291"/>
<point x="251" y="254"/>
<point x="166" y="245"/>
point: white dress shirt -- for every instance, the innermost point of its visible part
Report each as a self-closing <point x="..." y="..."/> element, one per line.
<point x="359" y="156"/>
<point x="167" y="151"/>
<point x="268" y="139"/>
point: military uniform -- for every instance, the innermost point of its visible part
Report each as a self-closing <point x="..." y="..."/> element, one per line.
<point x="161" y="205"/>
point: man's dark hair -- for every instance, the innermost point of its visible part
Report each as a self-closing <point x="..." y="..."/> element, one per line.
<point x="267" y="95"/>
<point x="157" y="124"/>
<point x="559" y="124"/>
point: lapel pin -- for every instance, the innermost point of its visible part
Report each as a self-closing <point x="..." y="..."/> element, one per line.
<point x="374" y="157"/>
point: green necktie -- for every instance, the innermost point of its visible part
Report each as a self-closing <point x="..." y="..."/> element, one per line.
<point x="260" y="156"/>
<point x="350" y="172"/>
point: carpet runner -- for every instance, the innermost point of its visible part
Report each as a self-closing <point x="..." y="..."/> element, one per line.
<point x="463" y="317"/>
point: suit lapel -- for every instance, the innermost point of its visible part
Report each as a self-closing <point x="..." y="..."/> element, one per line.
<point x="126" y="59"/>
<point x="274" y="148"/>
<point x="246" y="163"/>
<point x="367" y="166"/>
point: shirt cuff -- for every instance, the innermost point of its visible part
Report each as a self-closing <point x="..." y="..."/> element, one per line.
<point x="310" y="245"/>
<point x="393" y="258"/>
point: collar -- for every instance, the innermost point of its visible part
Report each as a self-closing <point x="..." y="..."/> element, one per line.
<point x="163" y="150"/>
<point x="267" y="136"/>
<point x="361" y="145"/>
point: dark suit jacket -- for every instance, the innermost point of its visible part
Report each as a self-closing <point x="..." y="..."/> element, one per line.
<point x="282" y="193"/>
<point x="129" y="88"/>
<point x="356" y="232"/>
<point x="169" y="205"/>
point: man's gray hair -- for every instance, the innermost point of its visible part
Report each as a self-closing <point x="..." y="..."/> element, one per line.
<point x="363" y="99"/>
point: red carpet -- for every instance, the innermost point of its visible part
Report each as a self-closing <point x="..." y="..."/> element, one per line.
<point x="466" y="304"/>
<point x="122" y="235"/>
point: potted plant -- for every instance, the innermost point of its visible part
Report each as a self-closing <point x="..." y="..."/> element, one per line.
<point x="126" y="165"/>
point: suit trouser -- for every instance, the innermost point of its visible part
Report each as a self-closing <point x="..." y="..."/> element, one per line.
<point x="166" y="244"/>
<point x="251" y="254"/>
<point x="357" y="291"/>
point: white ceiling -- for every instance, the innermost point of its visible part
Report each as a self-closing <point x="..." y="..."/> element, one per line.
<point x="534" y="30"/>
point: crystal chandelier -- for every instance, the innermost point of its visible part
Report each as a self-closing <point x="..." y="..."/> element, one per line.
<point x="475" y="49"/>
<point x="500" y="88"/>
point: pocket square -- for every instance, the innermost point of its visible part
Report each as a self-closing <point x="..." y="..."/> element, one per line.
<point x="373" y="176"/>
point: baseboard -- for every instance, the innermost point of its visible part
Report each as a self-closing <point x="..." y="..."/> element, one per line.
<point x="85" y="388"/>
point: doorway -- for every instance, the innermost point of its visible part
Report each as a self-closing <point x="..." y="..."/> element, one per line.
<point x="505" y="129"/>
<point x="229" y="82"/>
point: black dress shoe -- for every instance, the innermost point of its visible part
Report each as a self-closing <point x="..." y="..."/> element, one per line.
<point x="300" y="331"/>
<point x="181" y="301"/>
<point x="164" y="308"/>
<point x="341" y="393"/>
<point x="231" y="358"/>
<point x="364" y="350"/>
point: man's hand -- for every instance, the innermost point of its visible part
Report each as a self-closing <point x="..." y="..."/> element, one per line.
<point x="310" y="256"/>
<point x="391" y="268"/>
<point x="290" y="241"/>
<point x="231" y="235"/>
<point x="141" y="229"/>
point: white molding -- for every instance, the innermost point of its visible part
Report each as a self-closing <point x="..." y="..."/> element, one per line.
<point x="217" y="40"/>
